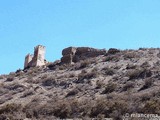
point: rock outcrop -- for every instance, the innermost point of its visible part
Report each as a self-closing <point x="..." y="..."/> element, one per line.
<point x="73" y="54"/>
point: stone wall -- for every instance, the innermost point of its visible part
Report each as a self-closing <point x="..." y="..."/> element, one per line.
<point x="73" y="54"/>
<point x="28" y="60"/>
<point x="38" y="59"/>
<point x="39" y="56"/>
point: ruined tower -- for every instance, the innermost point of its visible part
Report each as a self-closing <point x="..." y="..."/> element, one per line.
<point x="39" y="56"/>
<point x="38" y="59"/>
<point x="28" y="60"/>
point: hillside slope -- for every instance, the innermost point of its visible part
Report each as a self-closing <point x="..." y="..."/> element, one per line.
<point x="106" y="86"/>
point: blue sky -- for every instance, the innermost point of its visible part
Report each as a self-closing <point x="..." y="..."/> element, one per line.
<point x="56" y="24"/>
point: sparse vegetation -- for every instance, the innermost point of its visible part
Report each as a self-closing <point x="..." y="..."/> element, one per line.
<point x="99" y="84"/>
<point x="110" y="88"/>
<point x="108" y="71"/>
<point x="72" y="92"/>
<point x="88" y="75"/>
<point x="49" y="81"/>
<point x="128" y="85"/>
<point x="27" y="93"/>
<point x="106" y="86"/>
<point x="10" y="108"/>
<point x="139" y="73"/>
<point x="148" y="83"/>
<point x="113" y="51"/>
<point x="9" y="79"/>
<point x="109" y="58"/>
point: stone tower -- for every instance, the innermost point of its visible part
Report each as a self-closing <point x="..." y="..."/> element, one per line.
<point x="38" y="59"/>
<point x="28" y="60"/>
<point x="39" y="56"/>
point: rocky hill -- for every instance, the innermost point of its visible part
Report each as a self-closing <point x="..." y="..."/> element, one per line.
<point x="108" y="84"/>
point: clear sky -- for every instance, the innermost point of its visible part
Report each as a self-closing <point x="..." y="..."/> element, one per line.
<point x="56" y="24"/>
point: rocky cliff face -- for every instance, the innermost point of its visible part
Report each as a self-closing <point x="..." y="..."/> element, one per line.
<point x="106" y="85"/>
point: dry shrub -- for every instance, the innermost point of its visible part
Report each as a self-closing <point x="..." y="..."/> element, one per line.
<point x="44" y="76"/>
<point x="71" y="75"/>
<point x="130" y="55"/>
<point x="61" y="109"/>
<point x="69" y="108"/>
<point x="10" y="108"/>
<point x="145" y="65"/>
<point x="82" y="64"/>
<point x="131" y="66"/>
<point x="27" y="93"/>
<point x="99" y="84"/>
<point x="50" y="81"/>
<point x="110" y="88"/>
<point x="54" y="65"/>
<point x="139" y="73"/>
<point x="111" y="58"/>
<point x="9" y="79"/>
<point x="6" y="97"/>
<point x="30" y="80"/>
<point x="33" y="71"/>
<point x="3" y="90"/>
<point x="99" y="107"/>
<point x="15" y="87"/>
<point x="108" y="109"/>
<point x="2" y="77"/>
<point x="72" y="92"/>
<point x="129" y="85"/>
<point x="109" y="71"/>
<point x="33" y="108"/>
<point x="145" y="97"/>
<point x="3" y="117"/>
<point x="147" y="84"/>
<point x="89" y="75"/>
<point x="113" y="51"/>
<point x="152" y="106"/>
<point x="62" y="67"/>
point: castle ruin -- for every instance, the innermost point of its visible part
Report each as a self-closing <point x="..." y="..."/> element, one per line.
<point x="75" y="54"/>
<point x="70" y="55"/>
<point x="38" y="59"/>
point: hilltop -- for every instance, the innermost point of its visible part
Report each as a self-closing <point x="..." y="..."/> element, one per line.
<point x="108" y="84"/>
